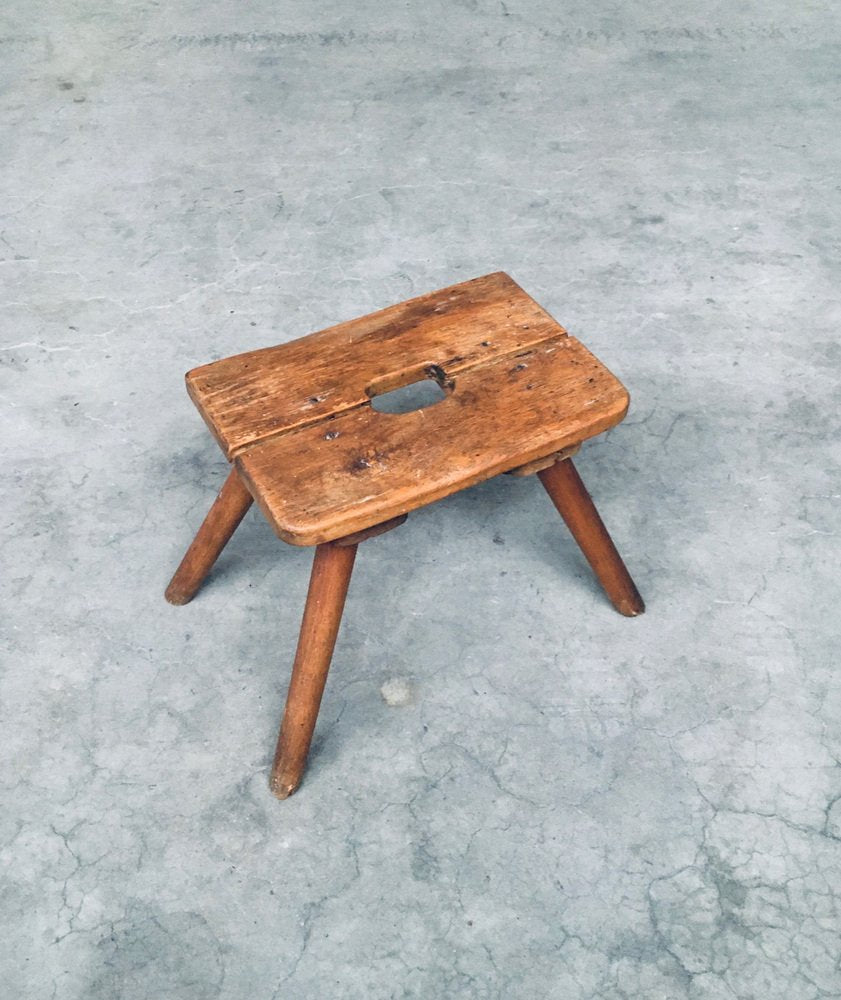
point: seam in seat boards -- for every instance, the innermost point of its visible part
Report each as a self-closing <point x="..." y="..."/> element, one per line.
<point x="515" y="353"/>
<point x="468" y="326"/>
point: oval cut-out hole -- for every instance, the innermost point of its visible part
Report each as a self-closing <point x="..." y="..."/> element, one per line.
<point x="415" y="396"/>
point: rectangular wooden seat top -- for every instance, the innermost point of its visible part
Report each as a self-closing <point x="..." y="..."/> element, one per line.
<point x="322" y="463"/>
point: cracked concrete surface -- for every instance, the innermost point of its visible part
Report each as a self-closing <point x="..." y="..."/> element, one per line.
<point x="569" y="804"/>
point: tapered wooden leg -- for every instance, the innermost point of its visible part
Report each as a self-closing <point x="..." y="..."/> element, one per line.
<point x="228" y="509"/>
<point x="570" y="496"/>
<point x="329" y="581"/>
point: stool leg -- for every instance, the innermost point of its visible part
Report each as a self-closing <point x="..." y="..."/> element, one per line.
<point x="221" y="522"/>
<point x="570" y="496"/>
<point x="329" y="581"/>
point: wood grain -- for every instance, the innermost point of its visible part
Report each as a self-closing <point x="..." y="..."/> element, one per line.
<point x="576" y="507"/>
<point x="323" y="464"/>
<point x="331" y="570"/>
<point x="250" y="397"/>
<point x="359" y="468"/>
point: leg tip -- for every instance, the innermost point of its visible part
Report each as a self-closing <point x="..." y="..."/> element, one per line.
<point x="177" y="597"/>
<point x="282" y="789"/>
<point x="630" y="609"/>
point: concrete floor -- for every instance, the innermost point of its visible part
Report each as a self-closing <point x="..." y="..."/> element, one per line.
<point x="562" y="803"/>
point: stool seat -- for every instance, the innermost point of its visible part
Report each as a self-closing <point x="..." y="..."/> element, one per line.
<point x="300" y="423"/>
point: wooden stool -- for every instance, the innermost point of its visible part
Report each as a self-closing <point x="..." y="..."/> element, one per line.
<point x="320" y="434"/>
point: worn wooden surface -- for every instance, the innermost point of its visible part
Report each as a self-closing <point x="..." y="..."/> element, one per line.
<point x="331" y="570"/>
<point x="221" y="522"/>
<point x="250" y="397"/>
<point x="570" y="496"/>
<point x="323" y="464"/>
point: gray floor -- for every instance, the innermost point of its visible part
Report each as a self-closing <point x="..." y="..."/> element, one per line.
<point x="563" y="803"/>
